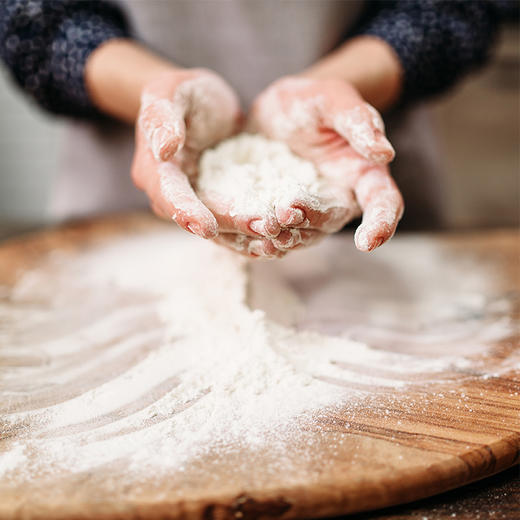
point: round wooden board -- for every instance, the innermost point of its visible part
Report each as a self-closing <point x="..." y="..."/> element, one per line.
<point x="465" y="429"/>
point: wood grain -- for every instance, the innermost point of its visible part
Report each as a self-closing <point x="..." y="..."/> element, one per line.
<point x="399" y="448"/>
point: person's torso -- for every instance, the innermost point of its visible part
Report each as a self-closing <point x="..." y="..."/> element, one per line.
<point x="248" y="42"/>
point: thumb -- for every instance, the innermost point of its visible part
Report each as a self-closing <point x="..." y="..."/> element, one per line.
<point x="162" y="123"/>
<point x="382" y="205"/>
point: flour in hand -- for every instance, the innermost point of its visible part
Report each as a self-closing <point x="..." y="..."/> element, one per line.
<point x="255" y="175"/>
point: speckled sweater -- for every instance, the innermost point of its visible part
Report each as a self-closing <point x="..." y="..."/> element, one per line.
<point x="45" y="43"/>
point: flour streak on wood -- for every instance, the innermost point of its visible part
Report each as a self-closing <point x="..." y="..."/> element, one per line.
<point x="388" y="443"/>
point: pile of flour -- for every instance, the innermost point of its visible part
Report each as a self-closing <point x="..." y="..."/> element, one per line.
<point x="256" y="174"/>
<point x="146" y="352"/>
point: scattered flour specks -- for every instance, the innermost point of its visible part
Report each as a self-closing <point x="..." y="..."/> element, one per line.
<point x="160" y="350"/>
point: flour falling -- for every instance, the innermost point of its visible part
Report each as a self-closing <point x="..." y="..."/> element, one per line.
<point x="156" y="353"/>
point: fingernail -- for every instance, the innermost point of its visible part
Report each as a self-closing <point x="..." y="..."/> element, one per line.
<point x="257" y="226"/>
<point x="383" y="152"/>
<point x="376" y="244"/>
<point x="192" y="229"/>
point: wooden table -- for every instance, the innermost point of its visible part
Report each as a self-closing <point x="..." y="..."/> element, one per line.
<point x="401" y="454"/>
<point x="493" y="498"/>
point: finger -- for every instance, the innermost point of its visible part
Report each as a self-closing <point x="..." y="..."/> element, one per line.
<point x="382" y="206"/>
<point x="263" y="223"/>
<point x="327" y="213"/>
<point x="162" y="123"/>
<point x="363" y="128"/>
<point x="294" y="238"/>
<point x="174" y="196"/>
<point x="249" y="246"/>
<point x="287" y="239"/>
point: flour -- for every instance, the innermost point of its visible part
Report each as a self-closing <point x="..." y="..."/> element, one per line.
<point x="159" y="352"/>
<point x="256" y="175"/>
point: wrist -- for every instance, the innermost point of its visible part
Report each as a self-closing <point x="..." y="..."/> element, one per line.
<point x="367" y="63"/>
<point x="116" y="74"/>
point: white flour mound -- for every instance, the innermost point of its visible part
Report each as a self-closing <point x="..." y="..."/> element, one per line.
<point x="256" y="174"/>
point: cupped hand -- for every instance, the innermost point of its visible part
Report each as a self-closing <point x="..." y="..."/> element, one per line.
<point x="183" y="112"/>
<point x="265" y="247"/>
<point x="327" y="122"/>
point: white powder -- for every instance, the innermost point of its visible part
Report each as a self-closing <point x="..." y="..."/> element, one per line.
<point x="146" y="352"/>
<point x="255" y="175"/>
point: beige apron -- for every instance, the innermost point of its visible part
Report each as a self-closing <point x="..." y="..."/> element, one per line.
<point x="250" y="43"/>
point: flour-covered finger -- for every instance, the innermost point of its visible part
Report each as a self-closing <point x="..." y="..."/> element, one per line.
<point x="232" y="220"/>
<point x="288" y="238"/>
<point x="363" y="128"/>
<point x="162" y="123"/>
<point x="264" y="248"/>
<point x="328" y="212"/>
<point x="382" y="206"/>
<point x="264" y="225"/>
<point x="249" y="246"/>
<point x="293" y="238"/>
<point x="175" y="197"/>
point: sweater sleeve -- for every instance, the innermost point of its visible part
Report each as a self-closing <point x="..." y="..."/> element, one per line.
<point x="437" y="41"/>
<point x="45" y="45"/>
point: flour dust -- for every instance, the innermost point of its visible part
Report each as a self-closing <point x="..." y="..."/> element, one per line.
<point x="159" y="350"/>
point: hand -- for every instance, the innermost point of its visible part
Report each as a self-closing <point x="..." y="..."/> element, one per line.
<point x="183" y="112"/>
<point x="327" y="122"/>
<point x="264" y="247"/>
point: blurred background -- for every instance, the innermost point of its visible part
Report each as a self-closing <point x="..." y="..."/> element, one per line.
<point x="477" y="126"/>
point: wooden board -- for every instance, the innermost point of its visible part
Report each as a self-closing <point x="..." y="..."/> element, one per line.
<point x="465" y="427"/>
